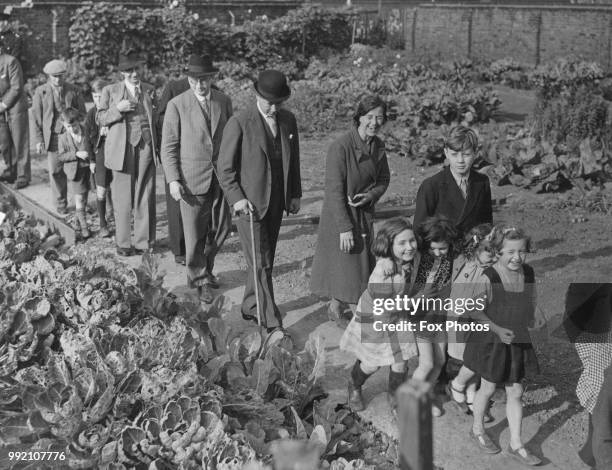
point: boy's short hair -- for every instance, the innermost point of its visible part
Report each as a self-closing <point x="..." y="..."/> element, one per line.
<point x="70" y="116"/>
<point x="97" y="85"/>
<point x="461" y="138"/>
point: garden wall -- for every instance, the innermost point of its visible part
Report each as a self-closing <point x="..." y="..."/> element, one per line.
<point x="530" y="34"/>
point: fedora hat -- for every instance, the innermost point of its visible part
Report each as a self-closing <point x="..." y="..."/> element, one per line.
<point x="129" y="61"/>
<point x="200" y="66"/>
<point x="272" y="85"/>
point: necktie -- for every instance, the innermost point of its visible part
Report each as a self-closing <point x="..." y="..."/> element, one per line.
<point x="271" y="120"/>
<point x="463" y="186"/>
<point x="137" y="94"/>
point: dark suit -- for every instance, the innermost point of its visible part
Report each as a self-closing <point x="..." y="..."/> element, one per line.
<point x="47" y="127"/>
<point x="173" y="208"/>
<point x="14" y="145"/>
<point x="440" y="195"/>
<point x="266" y="173"/>
<point x="133" y="163"/>
<point x="190" y="147"/>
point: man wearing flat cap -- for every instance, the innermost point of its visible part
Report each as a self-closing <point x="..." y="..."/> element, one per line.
<point x="220" y="224"/>
<point x="50" y="99"/>
<point x="14" y="142"/>
<point x="259" y="172"/>
<point x="127" y="109"/>
<point x="191" y="136"/>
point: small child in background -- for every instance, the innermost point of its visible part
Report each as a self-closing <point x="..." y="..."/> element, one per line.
<point x="74" y="150"/>
<point x="395" y="247"/>
<point x="468" y="269"/>
<point x="504" y="354"/>
<point x="437" y="239"/>
<point x="102" y="175"/>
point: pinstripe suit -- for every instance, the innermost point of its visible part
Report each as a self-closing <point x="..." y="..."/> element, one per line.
<point x="189" y="152"/>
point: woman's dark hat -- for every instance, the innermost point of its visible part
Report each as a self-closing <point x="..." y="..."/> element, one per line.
<point x="200" y="66"/>
<point x="272" y="85"/>
<point x="129" y="61"/>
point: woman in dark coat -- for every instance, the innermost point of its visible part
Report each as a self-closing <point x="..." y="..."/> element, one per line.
<point x="356" y="176"/>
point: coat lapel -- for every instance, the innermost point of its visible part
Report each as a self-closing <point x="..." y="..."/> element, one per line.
<point x="285" y="132"/>
<point x="260" y="132"/>
<point x="197" y="113"/>
<point x="473" y="190"/>
<point x="215" y="111"/>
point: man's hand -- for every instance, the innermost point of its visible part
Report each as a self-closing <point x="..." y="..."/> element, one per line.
<point x="82" y="154"/>
<point x="346" y="241"/>
<point x="360" y="200"/>
<point x="40" y="147"/>
<point x="294" y="206"/>
<point x="2" y="107"/>
<point x="92" y="167"/>
<point x="243" y="206"/>
<point x="125" y="106"/>
<point x="103" y="131"/>
<point x="176" y="190"/>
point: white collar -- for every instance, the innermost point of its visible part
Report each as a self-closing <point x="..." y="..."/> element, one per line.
<point x="266" y="117"/>
<point x="458" y="178"/>
<point x="131" y="88"/>
<point x="206" y="98"/>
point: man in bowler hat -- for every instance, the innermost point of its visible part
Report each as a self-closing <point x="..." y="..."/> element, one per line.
<point x="127" y="109"/>
<point x="220" y="225"/>
<point x="191" y="136"/>
<point x="14" y="143"/>
<point x="259" y="172"/>
<point x="50" y="99"/>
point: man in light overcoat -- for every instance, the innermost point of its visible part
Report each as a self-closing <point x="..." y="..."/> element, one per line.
<point x="191" y="136"/>
<point x="127" y="108"/>
<point x="259" y="172"/>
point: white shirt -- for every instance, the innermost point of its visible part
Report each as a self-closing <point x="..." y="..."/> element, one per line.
<point x="270" y="120"/>
<point x="132" y="88"/>
<point x="204" y="101"/>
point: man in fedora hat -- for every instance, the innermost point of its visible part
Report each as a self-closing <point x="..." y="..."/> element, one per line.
<point x="127" y="109"/>
<point x="191" y="136"/>
<point x="259" y="172"/>
<point x="14" y="142"/>
<point x="220" y="225"/>
<point x="50" y="99"/>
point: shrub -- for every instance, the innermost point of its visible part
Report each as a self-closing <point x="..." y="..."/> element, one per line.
<point x="13" y="37"/>
<point x="565" y="76"/>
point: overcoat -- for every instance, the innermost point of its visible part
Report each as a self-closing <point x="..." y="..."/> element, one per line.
<point x="66" y="153"/>
<point x="110" y="116"/>
<point x="42" y="109"/>
<point x="351" y="168"/>
<point x="243" y="166"/>
<point x="440" y="195"/>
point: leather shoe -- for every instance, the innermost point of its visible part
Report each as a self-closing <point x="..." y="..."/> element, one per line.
<point x="211" y="281"/>
<point x="124" y="251"/>
<point x="179" y="259"/>
<point x="21" y="183"/>
<point x="355" y="397"/>
<point x="7" y="177"/>
<point x="248" y="317"/>
<point x="205" y="295"/>
<point x="138" y="251"/>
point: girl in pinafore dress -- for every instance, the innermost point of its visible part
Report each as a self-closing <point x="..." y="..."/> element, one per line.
<point x="437" y="237"/>
<point x="477" y="255"/>
<point x="395" y="247"/>
<point x="504" y="354"/>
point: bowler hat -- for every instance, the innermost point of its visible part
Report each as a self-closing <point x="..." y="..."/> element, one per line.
<point x="200" y="66"/>
<point x="272" y="85"/>
<point x="129" y="61"/>
<point x="4" y="17"/>
<point x="55" y="67"/>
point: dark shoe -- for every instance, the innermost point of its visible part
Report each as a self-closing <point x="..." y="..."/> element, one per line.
<point x="61" y="210"/>
<point x="138" y="252"/>
<point x="523" y="456"/>
<point x="211" y="281"/>
<point x="21" y="183"/>
<point x="485" y="443"/>
<point x="179" y="259"/>
<point x="248" y="317"/>
<point x="205" y="295"/>
<point x="124" y="251"/>
<point x="104" y="232"/>
<point x="7" y="177"/>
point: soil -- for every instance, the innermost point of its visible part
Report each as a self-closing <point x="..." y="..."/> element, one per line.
<point x="563" y="251"/>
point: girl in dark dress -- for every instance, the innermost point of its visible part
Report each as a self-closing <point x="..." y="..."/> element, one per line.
<point x="504" y="354"/>
<point x="356" y="176"/>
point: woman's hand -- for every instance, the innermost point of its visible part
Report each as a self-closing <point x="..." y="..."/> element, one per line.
<point x="360" y="200"/>
<point x="505" y="335"/>
<point x="539" y="321"/>
<point x="346" y="241"/>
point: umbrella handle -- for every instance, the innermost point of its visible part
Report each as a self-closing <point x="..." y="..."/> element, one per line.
<point x="252" y="224"/>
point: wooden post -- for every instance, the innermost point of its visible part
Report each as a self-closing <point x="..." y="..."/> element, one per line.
<point x="414" y="417"/>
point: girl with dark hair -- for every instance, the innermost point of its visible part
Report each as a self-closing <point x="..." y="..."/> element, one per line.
<point x="356" y="176"/>
<point x="437" y="239"/>
<point x="395" y="247"/>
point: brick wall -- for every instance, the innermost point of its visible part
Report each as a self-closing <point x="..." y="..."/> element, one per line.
<point x="530" y="34"/>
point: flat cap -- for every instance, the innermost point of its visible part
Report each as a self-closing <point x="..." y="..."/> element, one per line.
<point x="55" y="67"/>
